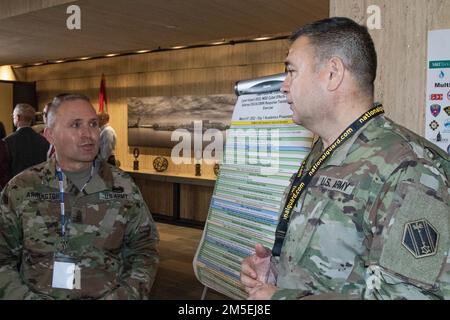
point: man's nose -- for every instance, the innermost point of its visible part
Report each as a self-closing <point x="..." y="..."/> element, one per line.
<point x="285" y="86"/>
<point x="87" y="131"/>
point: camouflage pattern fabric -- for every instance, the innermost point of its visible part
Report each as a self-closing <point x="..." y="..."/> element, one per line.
<point x="110" y="234"/>
<point x="373" y="223"/>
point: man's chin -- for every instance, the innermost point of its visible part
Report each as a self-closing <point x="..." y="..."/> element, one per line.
<point x="297" y="121"/>
<point x="86" y="158"/>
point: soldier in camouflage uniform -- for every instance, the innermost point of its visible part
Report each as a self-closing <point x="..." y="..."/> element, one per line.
<point x="109" y="232"/>
<point x="373" y="222"/>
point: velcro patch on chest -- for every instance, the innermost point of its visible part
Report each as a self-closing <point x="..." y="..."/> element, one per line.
<point x="335" y="184"/>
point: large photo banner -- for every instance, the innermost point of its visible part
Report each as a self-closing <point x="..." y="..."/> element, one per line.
<point x="264" y="148"/>
<point x="437" y="113"/>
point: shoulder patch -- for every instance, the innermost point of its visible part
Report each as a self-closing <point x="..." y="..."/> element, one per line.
<point x="420" y="238"/>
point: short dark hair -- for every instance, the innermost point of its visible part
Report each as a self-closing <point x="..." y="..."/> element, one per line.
<point x="343" y="37"/>
<point x="58" y="101"/>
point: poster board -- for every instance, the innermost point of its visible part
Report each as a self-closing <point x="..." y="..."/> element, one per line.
<point x="263" y="149"/>
<point x="437" y="113"/>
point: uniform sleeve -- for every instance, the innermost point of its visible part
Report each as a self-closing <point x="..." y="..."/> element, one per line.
<point x="409" y="250"/>
<point x="11" y="285"/>
<point x="140" y="252"/>
<point x="409" y="256"/>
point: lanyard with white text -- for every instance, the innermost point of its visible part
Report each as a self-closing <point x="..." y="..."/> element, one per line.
<point x="301" y="180"/>
<point x="61" y="199"/>
<point x="61" y="194"/>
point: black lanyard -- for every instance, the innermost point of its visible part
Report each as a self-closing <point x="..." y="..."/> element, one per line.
<point x="301" y="180"/>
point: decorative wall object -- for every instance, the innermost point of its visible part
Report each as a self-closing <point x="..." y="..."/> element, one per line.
<point x="216" y="169"/>
<point x="160" y="164"/>
<point x="152" y="120"/>
<point x="136" y="153"/>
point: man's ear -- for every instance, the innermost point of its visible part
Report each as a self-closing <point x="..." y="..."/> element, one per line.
<point x="49" y="134"/>
<point x="336" y="71"/>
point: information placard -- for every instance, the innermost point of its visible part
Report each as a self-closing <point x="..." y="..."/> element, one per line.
<point x="437" y="113"/>
<point x="263" y="149"/>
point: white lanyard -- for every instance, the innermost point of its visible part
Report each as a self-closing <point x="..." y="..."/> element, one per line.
<point x="59" y="173"/>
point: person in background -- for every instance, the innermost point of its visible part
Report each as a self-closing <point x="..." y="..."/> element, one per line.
<point x="2" y="130"/>
<point x="26" y="147"/>
<point x="108" y="139"/>
<point x="4" y="158"/>
<point x="367" y="216"/>
<point x="51" y="149"/>
<point x="74" y="227"/>
<point x="39" y="125"/>
<point x="4" y="164"/>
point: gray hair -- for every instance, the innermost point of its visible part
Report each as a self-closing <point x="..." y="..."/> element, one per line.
<point x="26" y="112"/>
<point x="58" y="101"/>
<point x="344" y="38"/>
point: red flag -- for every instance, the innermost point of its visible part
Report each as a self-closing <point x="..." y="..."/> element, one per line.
<point x="102" y="103"/>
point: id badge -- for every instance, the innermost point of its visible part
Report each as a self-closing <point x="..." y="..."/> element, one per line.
<point x="66" y="274"/>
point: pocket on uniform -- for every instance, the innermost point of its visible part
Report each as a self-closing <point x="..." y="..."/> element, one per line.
<point x="40" y="225"/>
<point x="109" y="224"/>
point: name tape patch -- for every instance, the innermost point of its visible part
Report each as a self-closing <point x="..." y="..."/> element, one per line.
<point x="335" y="184"/>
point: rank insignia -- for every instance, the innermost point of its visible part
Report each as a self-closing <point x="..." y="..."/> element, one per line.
<point x="420" y="238"/>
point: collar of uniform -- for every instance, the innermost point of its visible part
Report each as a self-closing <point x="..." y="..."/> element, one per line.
<point x="341" y="153"/>
<point x="102" y="179"/>
<point x="50" y="177"/>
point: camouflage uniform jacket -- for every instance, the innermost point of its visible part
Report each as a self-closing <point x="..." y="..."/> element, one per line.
<point x="110" y="234"/>
<point x="373" y="223"/>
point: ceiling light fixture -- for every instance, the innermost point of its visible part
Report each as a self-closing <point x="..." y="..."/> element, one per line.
<point x="178" y="47"/>
<point x="262" y="38"/>
<point x="142" y="51"/>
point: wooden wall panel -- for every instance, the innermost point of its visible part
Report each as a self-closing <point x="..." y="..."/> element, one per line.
<point x="198" y="71"/>
<point x="158" y="195"/>
<point x="402" y="51"/>
<point x="194" y="202"/>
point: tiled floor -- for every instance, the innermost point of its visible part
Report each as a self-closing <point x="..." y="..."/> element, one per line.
<point x="175" y="278"/>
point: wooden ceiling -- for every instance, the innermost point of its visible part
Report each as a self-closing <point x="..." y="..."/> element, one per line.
<point x="35" y="30"/>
